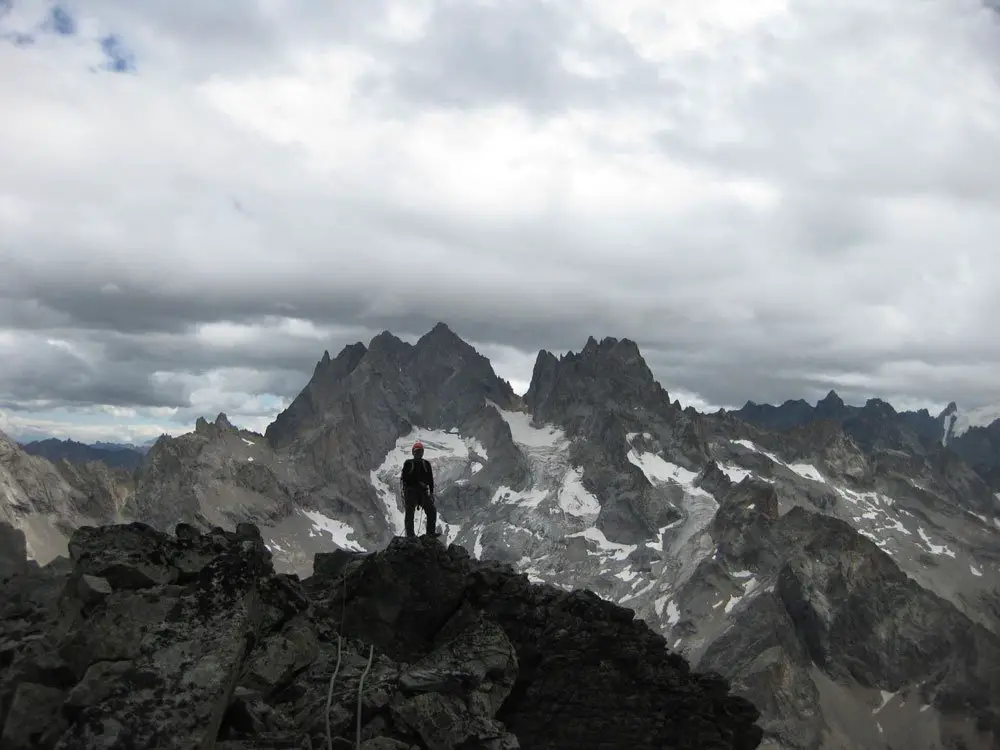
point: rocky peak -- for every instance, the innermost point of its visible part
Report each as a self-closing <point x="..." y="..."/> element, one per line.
<point x="610" y="374"/>
<point x="832" y="406"/>
<point x="441" y="337"/>
<point x="440" y="381"/>
<point x="320" y="393"/>
<point x="420" y="644"/>
<point x="213" y="429"/>
<point x="949" y="410"/>
<point x="387" y="348"/>
<point x="878" y="406"/>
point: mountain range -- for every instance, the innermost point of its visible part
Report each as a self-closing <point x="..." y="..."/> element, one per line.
<point x="114" y="455"/>
<point x="839" y="565"/>
<point x="973" y="436"/>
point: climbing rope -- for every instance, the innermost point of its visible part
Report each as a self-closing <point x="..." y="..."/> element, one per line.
<point x="361" y="687"/>
<point x="336" y="670"/>
<point x="333" y="677"/>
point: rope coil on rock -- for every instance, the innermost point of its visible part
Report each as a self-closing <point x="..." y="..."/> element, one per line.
<point x="336" y="670"/>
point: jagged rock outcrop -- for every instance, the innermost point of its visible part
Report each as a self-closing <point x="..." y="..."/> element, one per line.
<point x="149" y="640"/>
<point x="13" y="551"/>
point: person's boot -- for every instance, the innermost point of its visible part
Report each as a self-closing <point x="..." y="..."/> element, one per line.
<point x="432" y="529"/>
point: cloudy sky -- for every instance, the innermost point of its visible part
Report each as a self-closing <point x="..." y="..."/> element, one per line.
<point x="774" y="198"/>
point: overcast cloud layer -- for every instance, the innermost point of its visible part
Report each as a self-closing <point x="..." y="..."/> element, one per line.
<point x="772" y="198"/>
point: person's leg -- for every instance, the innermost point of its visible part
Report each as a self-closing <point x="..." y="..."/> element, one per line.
<point x="409" y="506"/>
<point x="431" y="511"/>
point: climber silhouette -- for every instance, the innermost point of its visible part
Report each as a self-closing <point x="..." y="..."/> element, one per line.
<point x="417" y="480"/>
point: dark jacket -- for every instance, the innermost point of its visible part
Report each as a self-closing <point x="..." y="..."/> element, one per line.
<point x="417" y="474"/>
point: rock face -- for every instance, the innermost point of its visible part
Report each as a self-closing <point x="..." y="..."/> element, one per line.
<point x="604" y="397"/>
<point x="192" y="641"/>
<point x="830" y="613"/>
<point x="47" y="501"/>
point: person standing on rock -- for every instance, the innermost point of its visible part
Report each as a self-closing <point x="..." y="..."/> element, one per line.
<point x="417" y="481"/>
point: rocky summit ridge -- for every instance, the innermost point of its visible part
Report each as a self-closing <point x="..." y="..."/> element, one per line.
<point x="840" y="566"/>
<point x="878" y="426"/>
<point x="143" y="639"/>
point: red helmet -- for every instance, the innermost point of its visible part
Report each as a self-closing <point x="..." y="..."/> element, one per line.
<point x="418" y="446"/>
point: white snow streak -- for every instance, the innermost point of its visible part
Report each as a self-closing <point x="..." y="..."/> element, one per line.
<point x="886" y="697"/>
<point x="689" y="545"/>
<point x="937" y="549"/>
<point x="574" y="498"/>
<point x="604" y="545"/>
<point x="806" y="471"/>
<point x="556" y="482"/>
<point x="338" y="530"/>
<point x="673" y="614"/>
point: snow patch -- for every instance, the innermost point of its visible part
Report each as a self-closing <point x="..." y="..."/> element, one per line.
<point x="574" y="498"/>
<point x="605" y="546"/>
<point x="660" y="602"/>
<point x="555" y="481"/>
<point x="658" y="471"/>
<point x="886" y="697"/>
<point x="248" y="442"/>
<point x="673" y="614"/>
<point x="749" y="591"/>
<point x="937" y="549"/>
<point x="526" y="434"/>
<point x="807" y="471"/>
<point x="338" y="530"/>
<point x="975" y="571"/>
<point x="736" y="474"/>
<point x="699" y="508"/>
<point x="626" y="575"/>
<point x="250" y="459"/>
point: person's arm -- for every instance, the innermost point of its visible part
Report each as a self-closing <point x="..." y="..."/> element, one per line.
<point x="407" y="464"/>
<point x="430" y="478"/>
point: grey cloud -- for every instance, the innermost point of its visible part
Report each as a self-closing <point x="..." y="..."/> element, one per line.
<point x="476" y="54"/>
<point x="844" y="272"/>
<point x="38" y="371"/>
